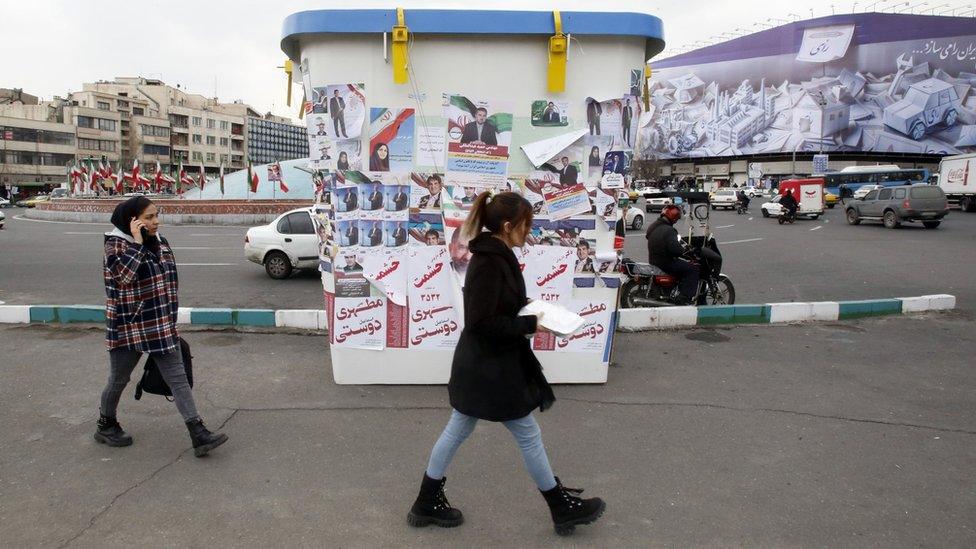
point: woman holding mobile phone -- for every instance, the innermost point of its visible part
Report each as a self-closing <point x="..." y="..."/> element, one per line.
<point x="495" y="376"/>
<point x="140" y="315"/>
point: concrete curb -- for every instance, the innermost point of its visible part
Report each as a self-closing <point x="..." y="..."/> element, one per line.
<point x="628" y="320"/>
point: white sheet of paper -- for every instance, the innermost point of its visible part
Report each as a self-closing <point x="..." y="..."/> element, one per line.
<point x="555" y="318"/>
<point x="539" y="152"/>
<point x="430" y="146"/>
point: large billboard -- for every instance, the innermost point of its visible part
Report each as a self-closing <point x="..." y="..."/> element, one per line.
<point x="861" y="82"/>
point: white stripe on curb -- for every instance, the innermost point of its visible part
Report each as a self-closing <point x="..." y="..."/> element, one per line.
<point x="183" y="315"/>
<point x="14" y="314"/>
<point x="657" y="317"/>
<point x="307" y="319"/>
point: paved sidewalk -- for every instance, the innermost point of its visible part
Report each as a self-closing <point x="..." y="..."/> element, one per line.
<point x="855" y="434"/>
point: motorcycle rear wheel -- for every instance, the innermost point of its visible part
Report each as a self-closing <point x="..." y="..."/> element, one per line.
<point x="627" y="292"/>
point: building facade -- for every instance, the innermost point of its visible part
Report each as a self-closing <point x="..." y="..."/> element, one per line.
<point x="34" y="152"/>
<point x="272" y="139"/>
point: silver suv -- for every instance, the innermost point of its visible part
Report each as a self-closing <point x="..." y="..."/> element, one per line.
<point x="895" y="205"/>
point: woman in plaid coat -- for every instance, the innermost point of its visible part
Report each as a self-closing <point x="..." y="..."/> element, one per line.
<point x="140" y="315"/>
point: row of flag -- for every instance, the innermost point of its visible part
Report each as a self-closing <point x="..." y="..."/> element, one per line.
<point x="86" y="176"/>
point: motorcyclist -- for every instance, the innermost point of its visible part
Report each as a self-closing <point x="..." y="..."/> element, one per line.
<point x="788" y="201"/>
<point x="664" y="249"/>
<point x="743" y="199"/>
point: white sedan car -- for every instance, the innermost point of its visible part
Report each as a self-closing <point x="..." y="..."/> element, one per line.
<point x="863" y="190"/>
<point x="2" y="219"/>
<point x="4" y="203"/>
<point x="287" y="243"/>
<point x="633" y="218"/>
<point x="656" y="204"/>
<point x="723" y="198"/>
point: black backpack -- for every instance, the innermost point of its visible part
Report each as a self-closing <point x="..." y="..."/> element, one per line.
<point x="152" y="381"/>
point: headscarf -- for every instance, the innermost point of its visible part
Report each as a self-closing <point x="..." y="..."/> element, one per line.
<point x="122" y="218"/>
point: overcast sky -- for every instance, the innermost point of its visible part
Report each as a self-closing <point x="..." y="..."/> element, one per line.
<point x="231" y="47"/>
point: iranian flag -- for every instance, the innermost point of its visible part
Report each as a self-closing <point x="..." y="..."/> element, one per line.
<point x="281" y="177"/>
<point x="221" y="179"/>
<point x="120" y="181"/>
<point x="202" y="178"/>
<point x="252" y="177"/>
<point x="386" y="124"/>
<point x="94" y="176"/>
<point x="158" y="177"/>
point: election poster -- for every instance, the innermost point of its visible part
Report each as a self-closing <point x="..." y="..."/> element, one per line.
<point x="479" y="134"/>
<point x="565" y="201"/>
<point x="549" y="112"/>
<point x="594" y="335"/>
<point x="548" y="272"/>
<point x="425" y="191"/>
<point x="434" y="321"/>
<point x="391" y="141"/>
<point x="360" y="322"/>
<point x="345" y="106"/>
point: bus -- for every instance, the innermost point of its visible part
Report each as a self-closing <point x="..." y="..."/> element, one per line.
<point x="853" y="177"/>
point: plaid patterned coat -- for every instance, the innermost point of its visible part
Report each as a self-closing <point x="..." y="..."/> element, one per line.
<point x="141" y="296"/>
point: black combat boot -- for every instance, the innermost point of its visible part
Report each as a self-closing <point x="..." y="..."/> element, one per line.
<point x="432" y="506"/>
<point x="568" y="510"/>
<point x="203" y="440"/>
<point x="111" y="433"/>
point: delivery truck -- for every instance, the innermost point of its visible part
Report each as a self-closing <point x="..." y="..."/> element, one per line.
<point x="957" y="178"/>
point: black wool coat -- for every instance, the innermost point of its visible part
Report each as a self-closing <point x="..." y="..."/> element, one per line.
<point x="495" y="375"/>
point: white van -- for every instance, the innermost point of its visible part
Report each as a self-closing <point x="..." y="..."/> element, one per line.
<point x="957" y="178"/>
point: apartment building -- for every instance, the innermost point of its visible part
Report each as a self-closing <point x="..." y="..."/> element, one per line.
<point x="272" y="138"/>
<point x="33" y="151"/>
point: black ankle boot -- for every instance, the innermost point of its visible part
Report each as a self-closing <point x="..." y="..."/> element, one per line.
<point x="568" y="510"/>
<point x="111" y="433"/>
<point x="203" y="440"/>
<point x="432" y="506"/>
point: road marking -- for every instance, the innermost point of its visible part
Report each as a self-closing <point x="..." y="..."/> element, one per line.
<point x="204" y="247"/>
<point x="751" y="218"/>
<point x="215" y="234"/>
<point x="73" y="232"/>
<point x="817" y="227"/>
<point x="741" y="241"/>
<point x="725" y="226"/>
<point x="178" y="264"/>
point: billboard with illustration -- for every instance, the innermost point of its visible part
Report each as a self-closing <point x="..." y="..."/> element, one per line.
<point x="874" y="82"/>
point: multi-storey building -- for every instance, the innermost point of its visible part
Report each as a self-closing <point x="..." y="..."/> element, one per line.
<point x="33" y="151"/>
<point x="271" y="138"/>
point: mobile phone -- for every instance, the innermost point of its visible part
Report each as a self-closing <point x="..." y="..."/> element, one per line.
<point x="144" y="233"/>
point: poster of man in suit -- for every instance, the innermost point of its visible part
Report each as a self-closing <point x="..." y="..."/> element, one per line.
<point x="397" y="197"/>
<point x="479" y="134"/>
<point x="549" y="112"/>
<point x="396" y="233"/>
<point x="480" y="130"/>
<point x="593" y="112"/>
<point x="568" y="173"/>
<point x="346" y="110"/>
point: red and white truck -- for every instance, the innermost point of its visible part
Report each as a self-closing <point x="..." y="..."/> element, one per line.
<point x="957" y="178"/>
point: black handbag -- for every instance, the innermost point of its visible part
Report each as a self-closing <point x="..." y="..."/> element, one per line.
<point x="152" y="381"/>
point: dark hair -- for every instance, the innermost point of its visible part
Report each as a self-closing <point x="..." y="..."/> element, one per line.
<point x="491" y="212"/>
<point x="432" y="232"/>
<point x="584" y="243"/>
<point x="481" y="109"/>
<point x="435" y="177"/>
<point x="596" y="150"/>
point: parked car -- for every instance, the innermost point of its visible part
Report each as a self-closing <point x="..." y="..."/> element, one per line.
<point x="864" y="190"/>
<point x="33" y="201"/>
<point x="896" y="205"/>
<point x="59" y="193"/>
<point x="2" y="219"/>
<point x="723" y="198"/>
<point x="926" y="104"/>
<point x="4" y="203"/>
<point x="287" y="243"/>
<point x="754" y="192"/>
<point x="633" y="218"/>
<point x="656" y="204"/>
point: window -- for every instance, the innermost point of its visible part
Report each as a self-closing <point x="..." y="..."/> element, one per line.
<point x="224" y="125"/>
<point x="871" y="195"/>
<point x="899" y="193"/>
<point x="106" y="125"/>
<point x="298" y="223"/>
<point x="926" y="191"/>
<point x="211" y="123"/>
<point x="224" y="141"/>
<point x="154" y="131"/>
<point x="96" y="145"/>
<point x="161" y="150"/>
<point x="211" y="140"/>
<point x="884" y="194"/>
<point x="197" y="156"/>
<point x="122" y="104"/>
<point x="197" y="138"/>
<point x="104" y="106"/>
<point x="211" y="157"/>
<point x="138" y="111"/>
<point x="86" y="122"/>
<point x="223" y="158"/>
<point x="197" y="121"/>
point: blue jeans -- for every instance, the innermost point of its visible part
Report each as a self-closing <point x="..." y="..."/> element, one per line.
<point x="526" y="432"/>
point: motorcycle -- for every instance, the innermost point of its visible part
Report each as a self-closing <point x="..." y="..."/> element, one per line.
<point x="785" y="216"/>
<point x="650" y="286"/>
<point x="741" y="208"/>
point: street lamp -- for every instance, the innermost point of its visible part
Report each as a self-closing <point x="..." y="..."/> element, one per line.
<point x="854" y="7"/>
<point x="872" y="6"/>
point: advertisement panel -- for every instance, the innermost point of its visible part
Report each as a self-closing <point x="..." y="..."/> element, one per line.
<point x="882" y="83"/>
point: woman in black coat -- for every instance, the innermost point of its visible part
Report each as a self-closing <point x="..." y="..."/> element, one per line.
<point x="495" y="376"/>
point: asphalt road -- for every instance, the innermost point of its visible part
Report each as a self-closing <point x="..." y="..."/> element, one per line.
<point x="60" y="263"/>
<point x="857" y="434"/>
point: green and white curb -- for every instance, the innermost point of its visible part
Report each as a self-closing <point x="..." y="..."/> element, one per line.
<point x="308" y="319"/>
<point x="635" y="320"/>
<point x="629" y="320"/>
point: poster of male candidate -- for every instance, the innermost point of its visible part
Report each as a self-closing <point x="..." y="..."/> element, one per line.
<point x="346" y="110"/>
<point x="397" y="197"/>
<point x="319" y="100"/>
<point x="317" y="124"/>
<point x="395" y="233"/>
<point x="425" y="191"/>
<point x="371" y="195"/>
<point x="479" y="134"/>
<point x="370" y="232"/>
<point x="391" y="140"/>
<point x="321" y="152"/>
<point x="426" y="229"/>
<point x="549" y="112"/>
<point x="346" y="201"/>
